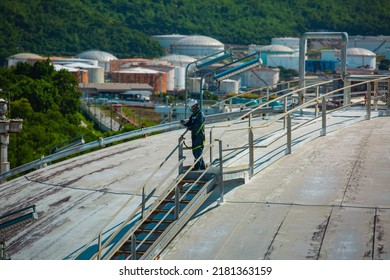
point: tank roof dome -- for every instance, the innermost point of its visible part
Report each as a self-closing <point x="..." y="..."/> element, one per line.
<point x="276" y="48"/>
<point x="97" y="55"/>
<point x="26" y="56"/>
<point x="178" y="58"/>
<point x="198" y="40"/>
<point x="360" y="51"/>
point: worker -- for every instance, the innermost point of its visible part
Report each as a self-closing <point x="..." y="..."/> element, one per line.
<point x="196" y="125"/>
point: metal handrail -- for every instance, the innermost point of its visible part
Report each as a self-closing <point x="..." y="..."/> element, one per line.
<point x="101" y="142"/>
<point x="135" y="193"/>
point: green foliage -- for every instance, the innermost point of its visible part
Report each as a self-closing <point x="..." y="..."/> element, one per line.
<point x="384" y="64"/>
<point x="122" y="27"/>
<point x="48" y="102"/>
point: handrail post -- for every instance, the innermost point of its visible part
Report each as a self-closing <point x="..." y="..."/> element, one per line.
<point x="368" y="101"/>
<point x="177" y="203"/>
<point x="285" y="110"/>
<point x="99" y="245"/>
<point x="211" y="146"/>
<point x="388" y="97"/>
<point x="323" y="131"/>
<point x="181" y="153"/>
<point x="251" y="146"/>
<point x="317" y="94"/>
<point x="133" y="247"/>
<point x="221" y="183"/>
<point x="143" y="203"/>
<point x="289" y="139"/>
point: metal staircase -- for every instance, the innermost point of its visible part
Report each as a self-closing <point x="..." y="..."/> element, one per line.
<point x="165" y="218"/>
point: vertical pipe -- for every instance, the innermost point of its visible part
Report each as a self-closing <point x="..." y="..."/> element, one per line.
<point x="251" y="148"/>
<point x="289" y="138"/>
<point x="323" y="131"/>
<point x="222" y="187"/>
<point x="368" y="101"/>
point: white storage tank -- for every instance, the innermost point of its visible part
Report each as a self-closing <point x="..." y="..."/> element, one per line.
<point x="265" y="51"/>
<point x="167" y="40"/>
<point x="102" y="57"/>
<point x="95" y="73"/>
<point x="258" y="77"/>
<point x="361" y="58"/>
<point x="194" y="85"/>
<point x="228" y="86"/>
<point x="197" y="46"/>
<point x="23" y="57"/>
<point x="178" y="59"/>
<point x="180" y="73"/>
<point x="286" y="61"/>
<point x="290" y="42"/>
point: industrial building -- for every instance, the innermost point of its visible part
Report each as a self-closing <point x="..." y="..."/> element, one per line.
<point x="157" y="79"/>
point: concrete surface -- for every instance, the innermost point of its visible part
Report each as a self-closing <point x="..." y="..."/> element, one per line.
<point x="329" y="199"/>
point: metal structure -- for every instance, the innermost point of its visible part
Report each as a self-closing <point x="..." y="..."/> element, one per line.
<point x="7" y="126"/>
<point x="342" y="36"/>
<point x="14" y="220"/>
<point x="151" y="226"/>
<point x="201" y="64"/>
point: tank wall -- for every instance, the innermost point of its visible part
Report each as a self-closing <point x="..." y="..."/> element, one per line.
<point x="361" y="62"/>
<point x="157" y="81"/>
<point x="286" y="61"/>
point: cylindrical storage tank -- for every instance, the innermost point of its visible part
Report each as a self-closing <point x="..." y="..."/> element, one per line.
<point x="286" y="61"/>
<point x="171" y="80"/>
<point x="95" y="73"/>
<point x="290" y="42"/>
<point x="194" y="85"/>
<point x="156" y="79"/>
<point x="167" y="40"/>
<point x="180" y="73"/>
<point x="23" y="57"/>
<point x="228" y="86"/>
<point x="103" y="58"/>
<point x="197" y="46"/>
<point x="361" y="58"/>
<point x="329" y="54"/>
<point x="258" y="77"/>
<point x="178" y="59"/>
<point x="265" y="51"/>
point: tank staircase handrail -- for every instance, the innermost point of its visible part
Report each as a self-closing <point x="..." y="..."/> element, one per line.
<point x="182" y="174"/>
<point x="140" y="191"/>
<point x="101" y="142"/>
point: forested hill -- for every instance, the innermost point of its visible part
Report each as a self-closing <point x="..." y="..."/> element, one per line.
<point x="123" y="27"/>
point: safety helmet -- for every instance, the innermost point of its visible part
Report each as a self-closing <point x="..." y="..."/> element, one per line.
<point x="192" y="103"/>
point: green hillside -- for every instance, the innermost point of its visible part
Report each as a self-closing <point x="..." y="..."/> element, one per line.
<point x="123" y="28"/>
